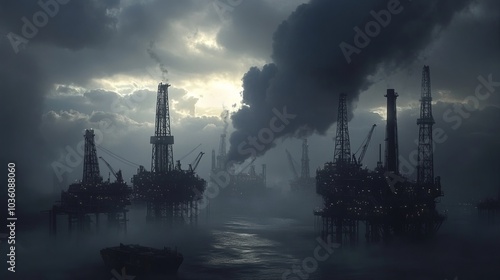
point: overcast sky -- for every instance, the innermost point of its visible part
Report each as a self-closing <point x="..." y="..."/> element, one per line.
<point x="97" y="64"/>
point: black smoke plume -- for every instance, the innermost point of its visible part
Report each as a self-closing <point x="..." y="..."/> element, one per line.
<point x="310" y="70"/>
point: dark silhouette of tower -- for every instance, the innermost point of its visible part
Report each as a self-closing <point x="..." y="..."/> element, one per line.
<point x="342" y="152"/>
<point x="221" y="158"/>
<point x="425" y="168"/>
<point x="391" y="136"/>
<point x="305" y="160"/>
<point x="92" y="196"/>
<point x="162" y="159"/>
<point x="171" y="194"/>
<point x="91" y="174"/>
<point x="214" y="164"/>
<point x="388" y="203"/>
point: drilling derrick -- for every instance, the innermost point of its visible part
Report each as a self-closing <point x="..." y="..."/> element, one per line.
<point x="171" y="194"/>
<point x="305" y="183"/>
<point x="337" y="183"/>
<point x="92" y="196"/>
<point x="162" y="159"/>
<point x="425" y="168"/>
<point x="91" y="174"/>
<point x="305" y="160"/>
<point x="342" y="152"/>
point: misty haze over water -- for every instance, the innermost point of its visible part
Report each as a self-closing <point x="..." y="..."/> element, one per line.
<point x="263" y="242"/>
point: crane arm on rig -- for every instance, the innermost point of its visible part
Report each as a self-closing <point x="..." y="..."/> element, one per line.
<point x="118" y="175"/>
<point x="364" y="146"/>
<point x="194" y="164"/>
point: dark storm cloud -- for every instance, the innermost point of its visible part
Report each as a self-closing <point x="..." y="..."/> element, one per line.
<point x="465" y="150"/>
<point x="478" y="36"/>
<point x="24" y="82"/>
<point x="468" y="48"/>
<point x="70" y="24"/>
<point x="88" y="39"/>
<point x="20" y="110"/>
<point x="250" y="34"/>
<point x="310" y="70"/>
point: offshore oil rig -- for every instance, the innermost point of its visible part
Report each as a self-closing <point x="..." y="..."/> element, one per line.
<point x="303" y="183"/>
<point x="171" y="194"/>
<point x="489" y="209"/>
<point x="241" y="184"/>
<point x="92" y="195"/>
<point x="386" y="203"/>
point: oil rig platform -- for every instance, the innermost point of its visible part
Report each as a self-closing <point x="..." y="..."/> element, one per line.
<point x="489" y="209"/>
<point x="92" y="195"/>
<point x="171" y="194"/>
<point x="241" y="183"/>
<point x="383" y="201"/>
<point x="304" y="183"/>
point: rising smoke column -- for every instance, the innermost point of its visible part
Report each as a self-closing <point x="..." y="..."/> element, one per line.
<point x="224" y="117"/>
<point x="309" y="69"/>
<point x="157" y="59"/>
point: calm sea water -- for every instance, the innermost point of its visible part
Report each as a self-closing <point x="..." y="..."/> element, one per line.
<point x="254" y="245"/>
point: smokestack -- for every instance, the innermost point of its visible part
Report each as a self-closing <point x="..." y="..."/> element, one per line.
<point x="391" y="140"/>
<point x="213" y="160"/>
<point x="264" y="173"/>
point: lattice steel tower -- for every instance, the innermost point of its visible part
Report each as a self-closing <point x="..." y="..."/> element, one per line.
<point x="425" y="168"/>
<point x="305" y="160"/>
<point x="162" y="159"/>
<point x="342" y="152"/>
<point x="91" y="174"/>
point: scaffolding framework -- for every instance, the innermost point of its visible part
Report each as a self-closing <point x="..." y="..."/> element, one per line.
<point x="84" y="202"/>
<point x="162" y="159"/>
<point x="425" y="168"/>
<point x="171" y="194"/>
<point x="342" y="151"/>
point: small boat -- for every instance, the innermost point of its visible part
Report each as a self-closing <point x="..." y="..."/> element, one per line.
<point x="138" y="259"/>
